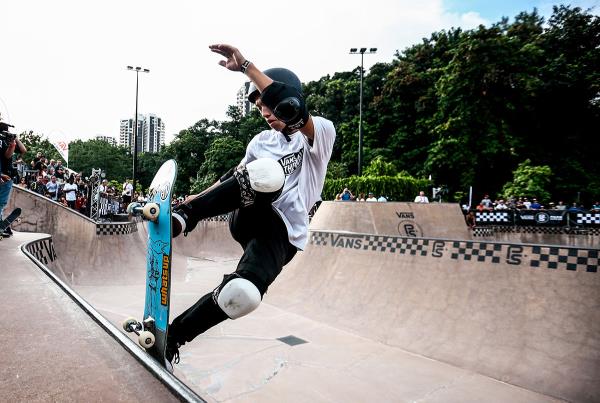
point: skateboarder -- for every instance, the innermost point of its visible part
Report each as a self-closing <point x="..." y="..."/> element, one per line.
<point x="268" y="196"/>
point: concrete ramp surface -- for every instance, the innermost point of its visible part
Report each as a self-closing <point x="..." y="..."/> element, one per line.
<point x="365" y="313"/>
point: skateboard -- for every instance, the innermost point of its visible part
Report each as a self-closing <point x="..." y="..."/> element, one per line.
<point x="12" y="217"/>
<point x="152" y="330"/>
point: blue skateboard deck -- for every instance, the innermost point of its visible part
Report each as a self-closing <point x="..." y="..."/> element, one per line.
<point x="158" y="262"/>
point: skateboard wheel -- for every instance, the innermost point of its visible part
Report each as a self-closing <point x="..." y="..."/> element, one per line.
<point x="151" y="211"/>
<point x="146" y="339"/>
<point x="130" y="324"/>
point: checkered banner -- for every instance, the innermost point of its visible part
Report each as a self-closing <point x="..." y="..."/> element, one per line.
<point x="538" y="218"/>
<point x="493" y="216"/>
<point x="588" y="218"/>
<point x="534" y="256"/>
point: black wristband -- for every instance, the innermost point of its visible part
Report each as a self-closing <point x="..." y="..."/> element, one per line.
<point x="245" y="65"/>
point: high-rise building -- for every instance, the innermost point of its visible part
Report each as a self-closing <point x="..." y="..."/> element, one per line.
<point x="109" y="139"/>
<point x="151" y="133"/>
<point x="242" y="99"/>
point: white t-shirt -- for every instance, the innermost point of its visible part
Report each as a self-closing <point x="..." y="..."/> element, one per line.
<point x="304" y="167"/>
<point x="421" y="199"/>
<point x="127" y="189"/>
<point x="68" y="190"/>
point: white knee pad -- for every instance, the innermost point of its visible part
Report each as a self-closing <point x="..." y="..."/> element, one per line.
<point x="266" y="175"/>
<point x="238" y="297"/>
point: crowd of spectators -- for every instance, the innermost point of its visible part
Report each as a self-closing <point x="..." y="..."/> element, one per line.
<point x="51" y="179"/>
<point x="525" y="203"/>
<point x="346" y="195"/>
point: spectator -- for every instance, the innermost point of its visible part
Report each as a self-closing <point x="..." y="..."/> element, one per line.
<point x="52" y="167"/>
<point x="21" y="167"/>
<point x="535" y="205"/>
<point x="470" y="219"/>
<point x="575" y="209"/>
<point x="511" y="203"/>
<point x="36" y="159"/>
<point x="127" y="193"/>
<point x="103" y="189"/>
<point x="39" y="165"/>
<point x="52" y="188"/>
<point x="519" y="204"/>
<point x="382" y="199"/>
<point x="500" y="205"/>
<point x="421" y="198"/>
<point x="346" y="195"/>
<point x="59" y="170"/>
<point x="551" y="206"/>
<point x="361" y="197"/>
<point x="371" y="197"/>
<point x="22" y="183"/>
<point x="596" y="207"/>
<point x="70" y="190"/>
<point x="487" y="203"/>
<point x="7" y="150"/>
<point x="526" y="204"/>
<point x="561" y="205"/>
<point x="81" y="184"/>
<point x="81" y="203"/>
<point x="39" y="186"/>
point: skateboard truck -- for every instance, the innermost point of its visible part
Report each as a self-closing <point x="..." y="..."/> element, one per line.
<point x="150" y="211"/>
<point x="145" y="337"/>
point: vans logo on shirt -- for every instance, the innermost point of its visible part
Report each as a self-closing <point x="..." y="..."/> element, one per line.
<point x="291" y="162"/>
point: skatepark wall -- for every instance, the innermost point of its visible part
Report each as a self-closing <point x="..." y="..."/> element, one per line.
<point x="537" y="235"/>
<point x="211" y="238"/>
<point x="435" y="220"/>
<point x="527" y="315"/>
<point x="93" y="253"/>
<point x="438" y="220"/>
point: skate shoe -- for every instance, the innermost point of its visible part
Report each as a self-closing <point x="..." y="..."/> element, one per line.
<point x="171" y="355"/>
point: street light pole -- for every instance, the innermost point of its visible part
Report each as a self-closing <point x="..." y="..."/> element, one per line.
<point x="362" y="52"/>
<point x="135" y="128"/>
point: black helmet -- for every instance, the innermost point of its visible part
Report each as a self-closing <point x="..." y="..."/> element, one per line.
<point x="276" y="74"/>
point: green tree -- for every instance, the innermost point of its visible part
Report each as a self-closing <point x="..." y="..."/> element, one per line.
<point x="188" y="150"/>
<point x="98" y="154"/>
<point x="529" y="181"/>
<point x="223" y="154"/>
<point x="148" y="165"/>
<point x="336" y="170"/>
<point x="37" y="143"/>
<point x="379" y="167"/>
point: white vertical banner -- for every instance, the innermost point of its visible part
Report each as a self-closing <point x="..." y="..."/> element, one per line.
<point x="63" y="148"/>
<point x="470" y="197"/>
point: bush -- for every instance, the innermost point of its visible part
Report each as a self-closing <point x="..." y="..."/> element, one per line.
<point x="394" y="188"/>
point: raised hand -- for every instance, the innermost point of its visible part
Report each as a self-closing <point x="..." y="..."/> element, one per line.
<point x="234" y="58"/>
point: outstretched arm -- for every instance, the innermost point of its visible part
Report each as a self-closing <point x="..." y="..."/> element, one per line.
<point x="235" y="61"/>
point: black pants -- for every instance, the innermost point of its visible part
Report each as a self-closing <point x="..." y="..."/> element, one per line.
<point x="264" y="238"/>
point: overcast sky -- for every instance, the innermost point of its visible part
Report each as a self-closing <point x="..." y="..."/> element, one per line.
<point x="63" y="63"/>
